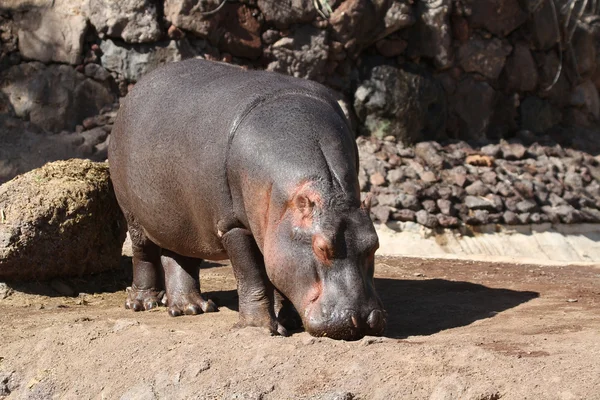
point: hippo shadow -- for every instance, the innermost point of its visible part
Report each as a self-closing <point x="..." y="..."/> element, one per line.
<point x="425" y="307"/>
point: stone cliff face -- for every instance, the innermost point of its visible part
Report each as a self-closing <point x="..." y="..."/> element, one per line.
<point x="422" y="70"/>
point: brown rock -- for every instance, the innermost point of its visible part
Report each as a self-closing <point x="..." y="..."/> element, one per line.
<point x="499" y="17"/>
<point x="391" y="47"/>
<point x="486" y="57"/>
<point x="60" y="220"/>
<point x="377" y="179"/>
<point x="521" y="71"/>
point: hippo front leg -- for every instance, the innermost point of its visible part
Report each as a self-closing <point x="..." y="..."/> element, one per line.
<point x="255" y="291"/>
<point x="183" y="285"/>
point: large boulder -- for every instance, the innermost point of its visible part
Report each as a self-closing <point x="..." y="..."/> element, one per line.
<point x="50" y="34"/>
<point x="359" y="23"/>
<point x="283" y="13"/>
<point x="54" y="97"/>
<point x="233" y="28"/>
<point x="499" y="17"/>
<point x="60" y="220"/>
<point x="303" y="55"/>
<point x="132" y="62"/>
<point x="135" y="21"/>
<point x="486" y="57"/>
<point x="431" y="36"/>
<point x="404" y="102"/>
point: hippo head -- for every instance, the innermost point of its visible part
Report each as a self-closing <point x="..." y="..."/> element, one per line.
<point x="320" y="255"/>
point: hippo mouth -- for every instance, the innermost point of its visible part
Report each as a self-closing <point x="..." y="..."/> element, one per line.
<point x="346" y="325"/>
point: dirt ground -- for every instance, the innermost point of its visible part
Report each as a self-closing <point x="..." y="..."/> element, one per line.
<point x="457" y="330"/>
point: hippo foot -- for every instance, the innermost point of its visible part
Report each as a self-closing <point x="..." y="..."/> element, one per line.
<point x="143" y="299"/>
<point x="272" y="327"/>
<point x="189" y="304"/>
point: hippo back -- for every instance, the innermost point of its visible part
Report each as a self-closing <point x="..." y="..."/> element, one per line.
<point x="170" y="150"/>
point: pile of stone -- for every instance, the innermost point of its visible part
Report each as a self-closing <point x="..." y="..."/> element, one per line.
<point x="502" y="183"/>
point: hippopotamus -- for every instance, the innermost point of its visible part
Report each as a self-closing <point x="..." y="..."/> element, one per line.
<point x="211" y="161"/>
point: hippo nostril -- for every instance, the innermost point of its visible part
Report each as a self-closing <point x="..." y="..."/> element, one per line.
<point x="376" y="320"/>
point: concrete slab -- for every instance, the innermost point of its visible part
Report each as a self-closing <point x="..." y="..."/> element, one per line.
<point x="542" y="244"/>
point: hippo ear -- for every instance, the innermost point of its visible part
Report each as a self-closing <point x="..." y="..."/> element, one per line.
<point x="323" y="248"/>
<point x="366" y="204"/>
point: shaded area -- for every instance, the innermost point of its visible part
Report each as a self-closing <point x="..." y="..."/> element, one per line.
<point x="425" y="307"/>
<point x="107" y="282"/>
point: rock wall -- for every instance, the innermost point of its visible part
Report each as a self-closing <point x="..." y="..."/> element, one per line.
<point x="442" y="70"/>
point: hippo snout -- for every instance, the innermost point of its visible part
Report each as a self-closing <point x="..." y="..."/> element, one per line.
<point x="347" y="324"/>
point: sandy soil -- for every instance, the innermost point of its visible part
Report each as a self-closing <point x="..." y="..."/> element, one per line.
<point x="457" y="330"/>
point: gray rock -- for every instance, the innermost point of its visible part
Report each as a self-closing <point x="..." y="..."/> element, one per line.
<point x="445" y="207"/>
<point x="409" y="201"/>
<point x="283" y="13"/>
<point x="430" y="206"/>
<point x="489" y="178"/>
<point x="55" y="217"/>
<point x="395" y="175"/>
<point x="573" y="180"/>
<point x="497" y="201"/>
<point x="381" y="213"/>
<point x="567" y="214"/>
<point x="492" y="150"/>
<point x="412" y="188"/>
<point x="426" y="219"/>
<point x="303" y="55"/>
<point x="54" y="97"/>
<point x="527" y="206"/>
<point x="555" y="200"/>
<point x="524" y="188"/>
<point x="391" y="200"/>
<point x="477" y="217"/>
<point x="447" y="221"/>
<point x="590" y="215"/>
<point x="52" y="34"/>
<point x="510" y="218"/>
<point x="504" y="189"/>
<point x="403" y="102"/>
<point x="432" y="192"/>
<point x="479" y="203"/>
<point x="477" y="188"/>
<point x="134" y="21"/>
<point x="513" y="151"/>
<point x="430" y="153"/>
<point x="444" y="192"/>
<point x="486" y="57"/>
<point x="432" y="36"/>
<point x="524" y="218"/>
<point x="132" y="62"/>
<point x="404" y="215"/>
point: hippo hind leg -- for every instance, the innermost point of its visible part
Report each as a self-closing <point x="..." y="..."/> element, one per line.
<point x="183" y="285"/>
<point x="147" y="289"/>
